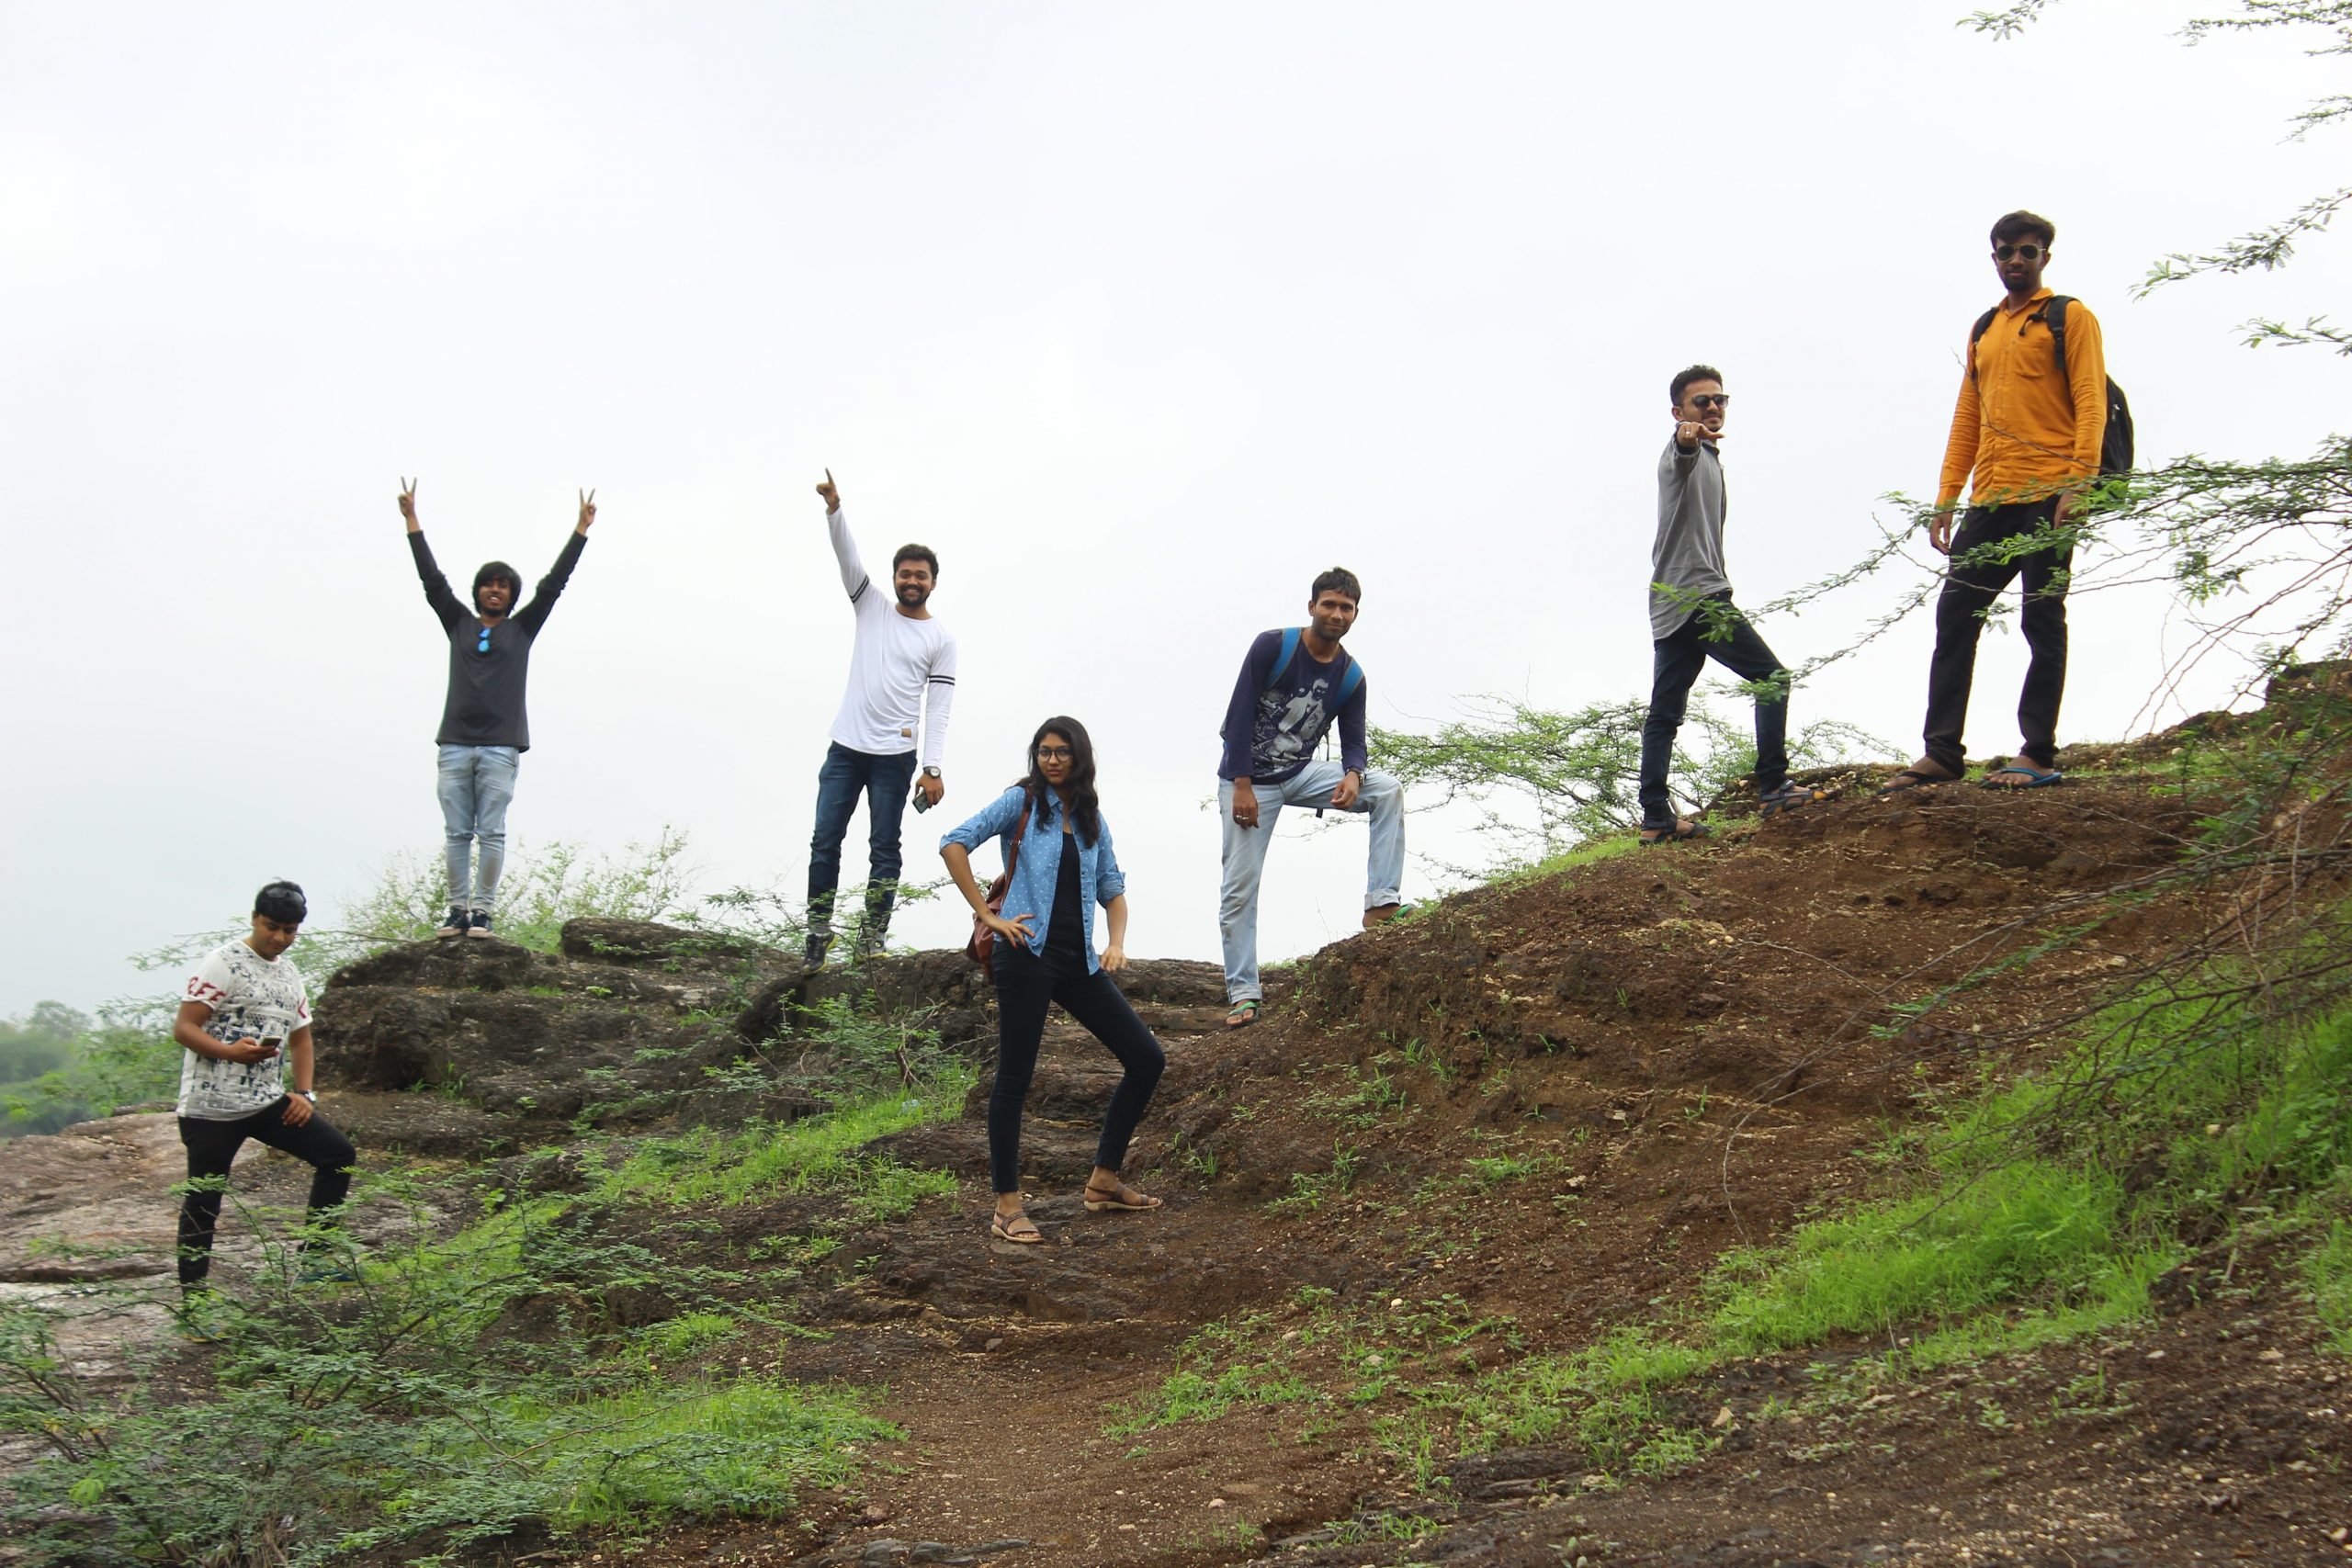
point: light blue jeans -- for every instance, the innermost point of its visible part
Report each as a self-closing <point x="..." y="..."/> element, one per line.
<point x="476" y="782"/>
<point x="1245" y="856"/>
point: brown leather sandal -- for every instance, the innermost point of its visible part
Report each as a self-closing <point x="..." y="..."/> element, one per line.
<point x="1121" y="1197"/>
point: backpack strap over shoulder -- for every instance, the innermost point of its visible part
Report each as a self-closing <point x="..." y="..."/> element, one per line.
<point x="1984" y="325"/>
<point x="1282" y="655"/>
<point x="2053" y="316"/>
<point x="1349" y="682"/>
<point x="1349" y="679"/>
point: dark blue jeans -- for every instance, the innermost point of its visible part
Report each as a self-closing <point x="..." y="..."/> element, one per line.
<point x="885" y="782"/>
<point x="1677" y="662"/>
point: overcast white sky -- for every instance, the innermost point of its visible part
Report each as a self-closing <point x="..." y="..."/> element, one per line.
<point x="1140" y="316"/>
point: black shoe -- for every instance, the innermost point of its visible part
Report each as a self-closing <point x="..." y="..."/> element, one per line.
<point x="481" y="926"/>
<point x="453" y="923"/>
<point x="815" y="949"/>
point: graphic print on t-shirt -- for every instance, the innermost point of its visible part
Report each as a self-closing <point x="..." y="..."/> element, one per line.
<point x="1291" y="720"/>
<point x="250" y="996"/>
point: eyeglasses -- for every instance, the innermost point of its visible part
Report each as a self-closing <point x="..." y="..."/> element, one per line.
<point x="2023" y="252"/>
<point x="483" y="646"/>
<point x="1055" y="753"/>
<point x="1706" y="401"/>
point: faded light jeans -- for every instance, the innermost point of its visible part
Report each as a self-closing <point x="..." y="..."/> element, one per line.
<point x="1245" y="855"/>
<point x="476" y="784"/>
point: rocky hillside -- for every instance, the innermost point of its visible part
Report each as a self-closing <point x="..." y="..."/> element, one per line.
<point x="1458" y="1153"/>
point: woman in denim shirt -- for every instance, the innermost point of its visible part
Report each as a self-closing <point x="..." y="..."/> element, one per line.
<point x="1045" y="953"/>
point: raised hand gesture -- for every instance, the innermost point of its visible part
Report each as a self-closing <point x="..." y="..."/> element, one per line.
<point x="832" y="496"/>
<point x="587" y="510"/>
<point x="1688" y="433"/>
<point x="408" y="504"/>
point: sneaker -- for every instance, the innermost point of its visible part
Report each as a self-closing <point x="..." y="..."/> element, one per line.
<point x="814" y="951"/>
<point x="870" y="946"/>
<point x="481" y="926"/>
<point x="452" y="923"/>
<point x="326" y="1274"/>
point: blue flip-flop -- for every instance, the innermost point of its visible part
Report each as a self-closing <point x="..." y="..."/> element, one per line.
<point x="2035" y="778"/>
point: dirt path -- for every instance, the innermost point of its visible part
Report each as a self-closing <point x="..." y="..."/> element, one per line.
<point x="1006" y="1363"/>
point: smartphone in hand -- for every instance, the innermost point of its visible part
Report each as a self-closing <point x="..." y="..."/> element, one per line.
<point x="921" y="802"/>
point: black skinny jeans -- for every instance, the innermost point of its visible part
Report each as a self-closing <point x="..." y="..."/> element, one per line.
<point x="1025" y="986"/>
<point x="212" y="1147"/>
<point x="1675" y="665"/>
<point x="1969" y="592"/>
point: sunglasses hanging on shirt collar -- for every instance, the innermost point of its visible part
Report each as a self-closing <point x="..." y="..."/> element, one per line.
<point x="483" y="646"/>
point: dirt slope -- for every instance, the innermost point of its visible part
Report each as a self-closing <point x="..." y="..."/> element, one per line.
<point x="1527" y="1115"/>
<point x="1550" y="1104"/>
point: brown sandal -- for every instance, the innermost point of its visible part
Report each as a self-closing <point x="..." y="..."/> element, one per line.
<point x="1122" y="1197"/>
<point x="1019" y="1229"/>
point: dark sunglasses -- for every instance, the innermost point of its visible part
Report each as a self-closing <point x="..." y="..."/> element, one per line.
<point x="2026" y="252"/>
<point x="483" y="646"/>
<point x="1055" y="753"/>
<point x="1706" y="401"/>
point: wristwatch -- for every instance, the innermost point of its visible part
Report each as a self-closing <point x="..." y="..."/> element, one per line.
<point x="930" y="772"/>
<point x="310" y="1094"/>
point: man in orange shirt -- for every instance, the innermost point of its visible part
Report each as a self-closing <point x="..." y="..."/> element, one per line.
<point x="2025" y="440"/>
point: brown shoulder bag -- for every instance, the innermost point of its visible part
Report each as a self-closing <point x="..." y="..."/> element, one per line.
<point x="981" y="949"/>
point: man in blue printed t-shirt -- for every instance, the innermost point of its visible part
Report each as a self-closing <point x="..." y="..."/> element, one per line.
<point x="1293" y="684"/>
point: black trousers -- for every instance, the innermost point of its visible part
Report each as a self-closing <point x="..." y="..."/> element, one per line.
<point x="1970" y="589"/>
<point x="212" y="1147"/>
<point x="1026" y="986"/>
<point x="1675" y="666"/>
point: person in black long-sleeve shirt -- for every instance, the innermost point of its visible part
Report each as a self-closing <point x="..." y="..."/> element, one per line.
<point x="484" y="727"/>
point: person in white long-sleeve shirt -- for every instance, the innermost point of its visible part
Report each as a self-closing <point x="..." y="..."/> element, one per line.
<point x="901" y="677"/>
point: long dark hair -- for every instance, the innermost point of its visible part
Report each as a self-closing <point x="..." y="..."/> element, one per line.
<point x="1085" y="810"/>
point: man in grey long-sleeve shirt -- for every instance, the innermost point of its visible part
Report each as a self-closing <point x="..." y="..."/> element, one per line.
<point x="1691" y="616"/>
<point x="485" y="728"/>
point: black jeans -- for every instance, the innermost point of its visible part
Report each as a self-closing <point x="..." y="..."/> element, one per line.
<point x="885" y="782"/>
<point x="212" y="1147"/>
<point x="1676" y="663"/>
<point x="1025" y="986"/>
<point x="1969" y="592"/>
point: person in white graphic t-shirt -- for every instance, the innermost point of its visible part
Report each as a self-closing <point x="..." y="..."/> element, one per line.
<point x="244" y="1020"/>
<point x="901" y="677"/>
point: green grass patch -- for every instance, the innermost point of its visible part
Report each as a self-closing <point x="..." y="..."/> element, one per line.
<point x="2029" y="1213"/>
<point x="1591" y="853"/>
<point x="814" y="1153"/>
<point x="2328" y="1271"/>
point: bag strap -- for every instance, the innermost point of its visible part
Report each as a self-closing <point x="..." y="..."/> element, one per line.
<point x="1019" y="831"/>
<point x="1984" y="325"/>
<point x="1282" y="655"/>
<point x="1349" y="682"/>
<point x="2053" y="316"/>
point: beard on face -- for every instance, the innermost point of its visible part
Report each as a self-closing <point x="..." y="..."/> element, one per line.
<point x="913" y="595"/>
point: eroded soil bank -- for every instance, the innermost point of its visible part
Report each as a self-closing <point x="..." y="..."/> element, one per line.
<point x="1533" y="1114"/>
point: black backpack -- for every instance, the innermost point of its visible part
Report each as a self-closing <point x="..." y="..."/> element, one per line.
<point x="2115" y="446"/>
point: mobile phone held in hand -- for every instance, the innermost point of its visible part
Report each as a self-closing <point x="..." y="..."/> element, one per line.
<point x="921" y="802"/>
<point x="273" y="1044"/>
